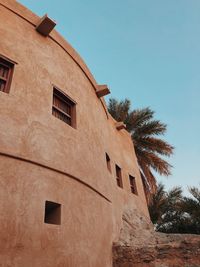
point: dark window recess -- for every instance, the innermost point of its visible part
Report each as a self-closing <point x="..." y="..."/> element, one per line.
<point x="119" y="176"/>
<point x="133" y="184"/>
<point x="6" y="72"/>
<point x="52" y="213"/>
<point x="64" y="108"/>
<point x="108" y="162"/>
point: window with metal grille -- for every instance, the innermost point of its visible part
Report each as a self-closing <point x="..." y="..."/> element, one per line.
<point x="119" y="176"/>
<point x="133" y="184"/>
<point x="108" y="162"/>
<point x="6" y="72"/>
<point x="64" y="108"/>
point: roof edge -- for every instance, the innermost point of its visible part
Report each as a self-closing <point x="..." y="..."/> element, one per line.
<point x="26" y="14"/>
<point x="33" y="19"/>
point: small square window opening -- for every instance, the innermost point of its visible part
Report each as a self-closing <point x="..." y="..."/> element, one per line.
<point x="52" y="213"/>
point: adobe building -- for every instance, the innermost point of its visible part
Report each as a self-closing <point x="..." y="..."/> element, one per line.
<point x="67" y="168"/>
<point x="70" y="189"/>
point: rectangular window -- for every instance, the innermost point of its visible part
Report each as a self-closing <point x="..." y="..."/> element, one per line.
<point x="64" y="108"/>
<point x="133" y="184"/>
<point x="108" y="162"/>
<point x="119" y="176"/>
<point x="52" y="213"/>
<point x="6" y="72"/>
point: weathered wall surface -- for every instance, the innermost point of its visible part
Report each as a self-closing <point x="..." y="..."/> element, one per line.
<point x="140" y="246"/>
<point x="27" y="241"/>
<point x="42" y="158"/>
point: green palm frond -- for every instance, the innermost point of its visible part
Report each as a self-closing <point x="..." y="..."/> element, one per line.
<point x="153" y="161"/>
<point x="158" y="204"/>
<point x="138" y="117"/>
<point x="119" y="109"/>
<point x="154" y="145"/>
<point x="172" y="213"/>
<point x="154" y="127"/>
<point x="195" y="192"/>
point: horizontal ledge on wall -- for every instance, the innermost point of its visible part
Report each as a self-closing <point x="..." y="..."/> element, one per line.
<point x="55" y="170"/>
<point x="102" y="90"/>
<point x="45" y="25"/>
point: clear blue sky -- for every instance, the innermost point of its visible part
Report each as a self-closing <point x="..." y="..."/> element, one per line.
<point x="147" y="51"/>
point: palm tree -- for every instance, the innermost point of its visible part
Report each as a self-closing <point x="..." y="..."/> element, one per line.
<point x="149" y="149"/>
<point x="166" y="208"/>
<point x="170" y="212"/>
<point x="191" y="206"/>
<point x="157" y="205"/>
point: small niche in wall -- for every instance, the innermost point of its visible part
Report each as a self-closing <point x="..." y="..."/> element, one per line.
<point x="108" y="163"/>
<point x="52" y="213"/>
<point x="133" y="185"/>
<point x="119" y="176"/>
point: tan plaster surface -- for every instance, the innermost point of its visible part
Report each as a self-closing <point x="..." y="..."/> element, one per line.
<point x="42" y="158"/>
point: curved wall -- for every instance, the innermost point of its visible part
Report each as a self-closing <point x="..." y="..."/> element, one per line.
<point x="42" y="158"/>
